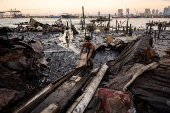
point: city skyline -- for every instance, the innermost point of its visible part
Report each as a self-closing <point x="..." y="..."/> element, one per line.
<point x="56" y="7"/>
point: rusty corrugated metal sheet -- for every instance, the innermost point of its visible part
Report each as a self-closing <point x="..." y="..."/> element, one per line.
<point x="114" y="101"/>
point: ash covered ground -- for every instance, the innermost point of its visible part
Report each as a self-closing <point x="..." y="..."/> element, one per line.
<point x="61" y="59"/>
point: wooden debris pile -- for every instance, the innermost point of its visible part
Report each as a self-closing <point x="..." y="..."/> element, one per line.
<point x="5" y="30"/>
<point x="144" y="74"/>
<point x="20" y="63"/>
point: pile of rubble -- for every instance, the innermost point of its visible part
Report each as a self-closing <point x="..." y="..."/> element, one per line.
<point x="37" y="26"/>
<point x="5" y="30"/>
<point x="20" y="64"/>
<point x="141" y="71"/>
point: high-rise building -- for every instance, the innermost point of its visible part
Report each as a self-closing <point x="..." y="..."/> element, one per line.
<point x="127" y="11"/>
<point x="160" y="13"/>
<point x="120" y="12"/>
<point x="165" y="11"/>
<point x="157" y="12"/>
<point x="153" y="12"/>
<point x="98" y="14"/>
<point x="147" y="11"/>
<point x="168" y="10"/>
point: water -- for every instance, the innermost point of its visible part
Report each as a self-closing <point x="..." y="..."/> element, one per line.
<point x="136" y="22"/>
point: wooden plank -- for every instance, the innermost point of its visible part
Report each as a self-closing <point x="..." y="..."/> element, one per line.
<point x="72" y="94"/>
<point x="83" y="61"/>
<point x="124" y="77"/>
<point x="60" y="92"/>
<point x="42" y="94"/>
<point x="140" y="71"/>
<point x="70" y="110"/>
<point x="73" y="49"/>
<point x="52" y="108"/>
<point x="90" y="90"/>
<point x="54" y="51"/>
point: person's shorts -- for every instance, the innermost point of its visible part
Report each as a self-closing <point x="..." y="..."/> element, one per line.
<point x="93" y="54"/>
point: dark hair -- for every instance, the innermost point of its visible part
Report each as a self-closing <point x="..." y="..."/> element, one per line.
<point x="87" y="38"/>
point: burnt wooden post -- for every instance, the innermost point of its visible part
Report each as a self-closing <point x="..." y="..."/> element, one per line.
<point x="84" y="20"/>
<point x="109" y="21"/>
<point x="159" y="28"/>
<point x="67" y="23"/>
<point x="82" y="24"/>
<point x="116" y="25"/>
<point x="130" y="30"/>
<point x="127" y="27"/>
<point x="120" y="23"/>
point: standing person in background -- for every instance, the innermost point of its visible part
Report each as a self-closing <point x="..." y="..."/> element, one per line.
<point x="67" y="36"/>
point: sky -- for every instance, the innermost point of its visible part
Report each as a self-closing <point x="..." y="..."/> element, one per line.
<point x="56" y="7"/>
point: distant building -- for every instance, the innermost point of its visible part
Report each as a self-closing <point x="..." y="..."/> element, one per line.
<point x="157" y="12"/>
<point x="165" y="11"/>
<point x="98" y="14"/>
<point x="142" y="14"/>
<point x="127" y="11"/>
<point x="153" y="12"/>
<point x="1" y="14"/>
<point x="147" y="11"/>
<point x="160" y="13"/>
<point x="168" y="10"/>
<point x="120" y="12"/>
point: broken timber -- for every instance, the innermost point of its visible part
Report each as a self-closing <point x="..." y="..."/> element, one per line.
<point x="83" y="61"/>
<point x="52" y="108"/>
<point x="42" y="94"/>
<point x="72" y="94"/>
<point x="90" y="90"/>
<point x="140" y="71"/>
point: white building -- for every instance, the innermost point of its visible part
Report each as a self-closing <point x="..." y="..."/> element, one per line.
<point x="165" y="11"/>
<point x="157" y="12"/>
<point x="153" y="12"/>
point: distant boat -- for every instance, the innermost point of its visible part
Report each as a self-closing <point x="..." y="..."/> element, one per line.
<point x="66" y="15"/>
<point x="126" y="17"/>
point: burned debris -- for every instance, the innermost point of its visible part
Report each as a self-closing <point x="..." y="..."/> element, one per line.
<point x="20" y="63"/>
<point x="5" y="30"/>
<point x="134" y="77"/>
<point x="138" y="59"/>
